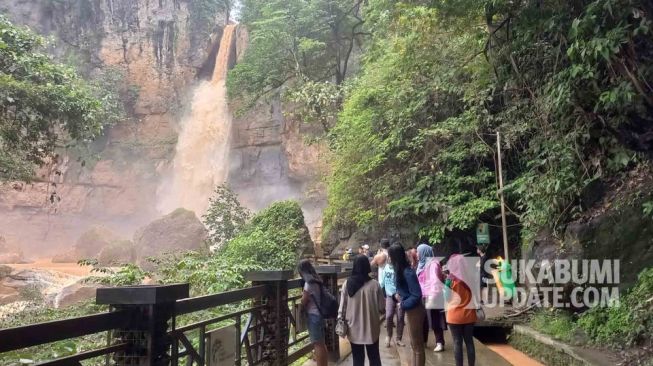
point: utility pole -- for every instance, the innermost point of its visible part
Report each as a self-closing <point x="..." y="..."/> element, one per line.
<point x="503" y="206"/>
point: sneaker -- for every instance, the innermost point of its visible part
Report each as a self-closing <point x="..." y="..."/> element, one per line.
<point x="439" y="347"/>
<point x="399" y="343"/>
<point x="387" y="342"/>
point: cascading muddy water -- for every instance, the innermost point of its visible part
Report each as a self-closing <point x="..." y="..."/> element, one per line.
<point x="202" y="153"/>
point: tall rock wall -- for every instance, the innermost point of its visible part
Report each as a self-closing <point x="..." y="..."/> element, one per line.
<point x="156" y="48"/>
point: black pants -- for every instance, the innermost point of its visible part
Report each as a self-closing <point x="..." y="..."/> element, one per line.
<point x="460" y="333"/>
<point x="358" y="354"/>
<point x="433" y="321"/>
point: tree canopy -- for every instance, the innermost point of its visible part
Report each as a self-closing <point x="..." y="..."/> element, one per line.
<point x="43" y="104"/>
<point x="297" y="40"/>
<point x="412" y="135"/>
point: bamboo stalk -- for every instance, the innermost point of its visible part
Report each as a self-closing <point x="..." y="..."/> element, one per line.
<point x="503" y="206"/>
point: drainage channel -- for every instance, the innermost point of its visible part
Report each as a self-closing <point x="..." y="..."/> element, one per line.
<point x="496" y="339"/>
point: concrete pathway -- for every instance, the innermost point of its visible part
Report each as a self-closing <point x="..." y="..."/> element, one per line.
<point x="401" y="356"/>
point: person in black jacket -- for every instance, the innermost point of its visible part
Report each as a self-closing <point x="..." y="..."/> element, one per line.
<point x="409" y="295"/>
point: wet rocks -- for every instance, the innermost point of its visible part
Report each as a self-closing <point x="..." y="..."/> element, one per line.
<point x="179" y="230"/>
<point x="74" y="293"/>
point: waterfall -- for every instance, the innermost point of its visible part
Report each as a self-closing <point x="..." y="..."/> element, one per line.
<point x="201" y="157"/>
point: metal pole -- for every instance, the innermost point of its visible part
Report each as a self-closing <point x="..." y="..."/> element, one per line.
<point x="503" y="208"/>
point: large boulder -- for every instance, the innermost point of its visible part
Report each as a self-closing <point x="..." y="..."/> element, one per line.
<point x="179" y="230"/>
<point x="623" y="233"/>
<point x="92" y="241"/>
<point x="7" y="294"/>
<point x="117" y="253"/>
<point x="74" y="293"/>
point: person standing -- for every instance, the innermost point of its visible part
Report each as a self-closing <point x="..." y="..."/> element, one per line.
<point x="361" y="303"/>
<point x="461" y="312"/>
<point x="411" y="255"/>
<point x="392" y="306"/>
<point x="311" y="296"/>
<point x="431" y="285"/>
<point x="409" y="294"/>
<point x="381" y="257"/>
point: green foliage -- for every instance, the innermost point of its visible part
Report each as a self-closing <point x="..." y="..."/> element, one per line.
<point x="206" y="273"/>
<point x="303" y="41"/>
<point x="42" y="104"/>
<point x="630" y="323"/>
<point x="273" y="239"/>
<point x="317" y="102"/>
<point x="125" y="275"/>
<point x="203" y="15"/>
<point x="558" y="324"/>
<point x="51" y="351"/>
<point x="405" y="150"/>
<point x="225" y="216"/>
<point x="566" y="83"/>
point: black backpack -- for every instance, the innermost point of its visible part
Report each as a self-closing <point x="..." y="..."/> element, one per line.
<point x="328" y="304"/>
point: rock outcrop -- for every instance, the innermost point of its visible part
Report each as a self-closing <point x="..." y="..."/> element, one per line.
<point x="9" y="254"/>
<point x="179" y="230"/>
<point x="74" y="293"/>
<point x="117" y="253"/>
<point x="91" y="243"/>
<point x="36" y="285"/>
<point x="155" y="49"/>
<point x="624" y="233"/>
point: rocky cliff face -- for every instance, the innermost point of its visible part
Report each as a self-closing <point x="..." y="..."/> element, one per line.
<point x="270" y="160"/>
<point x="157" y="48"/>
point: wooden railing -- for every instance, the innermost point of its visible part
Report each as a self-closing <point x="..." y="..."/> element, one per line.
<point x="149" y="325"/>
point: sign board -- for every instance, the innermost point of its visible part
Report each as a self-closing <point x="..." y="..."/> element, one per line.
<point x="300" y="318"/>
<point x="483" y="234"/>
<point x="221" y="346"/>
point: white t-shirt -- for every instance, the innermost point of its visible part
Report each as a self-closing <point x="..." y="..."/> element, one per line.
<point x="314" y="290"/>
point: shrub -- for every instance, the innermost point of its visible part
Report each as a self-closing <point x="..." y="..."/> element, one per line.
<point x="274" y="239"/>
<point x="630" y="323"/>
<point x="558" y="324"/>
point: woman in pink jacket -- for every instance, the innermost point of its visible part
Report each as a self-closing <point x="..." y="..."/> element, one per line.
<point x="429" y="276"/>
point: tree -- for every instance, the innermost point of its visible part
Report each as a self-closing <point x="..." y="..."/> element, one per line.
<point x="225" y="216"/>
<point x="43" y="105"/>
<point x="300" y="41"/>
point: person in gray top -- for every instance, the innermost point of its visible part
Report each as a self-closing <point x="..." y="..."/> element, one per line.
<point x="311" y="296"/>
<point x="361" y="303"/>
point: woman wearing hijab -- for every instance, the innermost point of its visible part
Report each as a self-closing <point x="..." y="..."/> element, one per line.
<point x="461" y="312"/>
<point x="429" y="281"/>
<point x="361" y="303"/>
<point x="310" y="299"/>
<point x="410" y="298"/>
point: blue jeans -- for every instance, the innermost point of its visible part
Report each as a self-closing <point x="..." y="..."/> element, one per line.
<point x="315" y="328"/>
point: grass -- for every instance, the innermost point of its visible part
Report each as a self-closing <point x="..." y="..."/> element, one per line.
<point x="557" y="324"/>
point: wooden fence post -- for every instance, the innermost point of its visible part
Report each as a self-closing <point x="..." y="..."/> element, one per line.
<point x="151" y="308"/>
<point x="329" y="276"/>
<point x="276" y="332"/>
